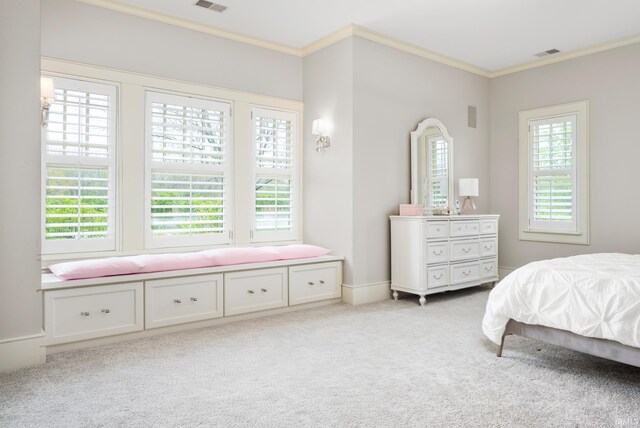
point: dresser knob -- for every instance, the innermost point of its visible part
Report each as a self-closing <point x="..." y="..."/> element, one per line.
<point x="310" y="283"/>
<point x="177" y="301"/>
<point x="84" y="314"/>
<point x="194" y="299"/>
<point x="321" y="282"/>
<point x="250" y="291"/>
<point x="106" y="311"/>
<point x="437" y="229"/>
<point x="264" y="290"/>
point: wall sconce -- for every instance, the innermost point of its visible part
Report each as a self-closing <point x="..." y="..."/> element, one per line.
<point x="320" y="129"/>
<point x="46" y="97"/>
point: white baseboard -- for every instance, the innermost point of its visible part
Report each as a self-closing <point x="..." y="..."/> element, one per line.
<point x="504" y="271"/>
<point x="366" y="293"/>
<point x="21" y="352"/>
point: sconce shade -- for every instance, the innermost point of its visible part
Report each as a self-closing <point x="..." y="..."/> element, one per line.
<point x="468" y="187"/>
<point x="46" y="88"/>
<point x="320" y="127"/>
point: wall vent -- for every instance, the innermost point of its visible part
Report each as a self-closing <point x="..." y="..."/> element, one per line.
<point x="549" y="52"/>
<point x="211" y="6"/>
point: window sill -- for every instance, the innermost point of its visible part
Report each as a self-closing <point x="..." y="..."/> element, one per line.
<point x="555" y="236"/>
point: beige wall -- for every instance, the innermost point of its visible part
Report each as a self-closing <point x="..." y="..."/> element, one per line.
<point x="75" y="31"/>
<point x="20" y="303"/>
<point x="610" y="81"/>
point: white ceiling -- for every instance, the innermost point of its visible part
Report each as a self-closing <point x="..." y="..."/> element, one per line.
<point x="490" y="34"/>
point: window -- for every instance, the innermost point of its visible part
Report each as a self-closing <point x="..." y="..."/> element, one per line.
<point x="188" y="171"/>
<point x="79" y="168"/>
<point x="438" y="168"/>
<point x="274" y="178"/>
<point x="554" y="174"/>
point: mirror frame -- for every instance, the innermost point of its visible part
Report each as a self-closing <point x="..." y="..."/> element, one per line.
<point x="415" y="138"/>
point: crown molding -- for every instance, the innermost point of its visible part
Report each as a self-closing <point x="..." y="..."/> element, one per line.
<point x="355" y="30"/>
<point x="565" y="56"/>
<point x="192" y="25"/>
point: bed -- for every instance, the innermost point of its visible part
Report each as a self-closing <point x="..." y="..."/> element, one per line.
<point x="588" y="303"/>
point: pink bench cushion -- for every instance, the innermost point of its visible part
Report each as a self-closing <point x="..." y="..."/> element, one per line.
<point x="164" y="262"/>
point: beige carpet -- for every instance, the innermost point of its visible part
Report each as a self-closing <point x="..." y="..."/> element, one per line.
<point x="387" y="364"/>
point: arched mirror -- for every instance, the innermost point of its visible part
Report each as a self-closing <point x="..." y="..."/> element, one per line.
<point x="432" y="166"/>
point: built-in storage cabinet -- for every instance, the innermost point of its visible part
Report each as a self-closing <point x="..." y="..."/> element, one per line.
<point x="180" y="300"/>
<point x="435" y="254"/>
<point x="86" y="313"/>
<point x="90" y="310"/>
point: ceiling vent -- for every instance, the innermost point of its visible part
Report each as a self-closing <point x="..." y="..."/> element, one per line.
<point x="211" y="6"/>
<point x="549" y="52"/>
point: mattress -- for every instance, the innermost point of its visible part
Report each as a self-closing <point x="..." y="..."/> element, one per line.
<point x="594" y="295"/>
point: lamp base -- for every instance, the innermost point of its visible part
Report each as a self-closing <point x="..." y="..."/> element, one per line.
<point x="468" y="206"/>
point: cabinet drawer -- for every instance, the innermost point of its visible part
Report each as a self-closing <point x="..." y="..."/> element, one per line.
<point x="465" y="272"/>
<point x="488" y="226"/>
<point x="179" y="300"/>
<point x="437" y="252"/>
<point x="488" y="247"/>
<point x="437" y="229"/>
<point x="489" y="269"/>
<point x="310" y="283"/>
<point x="255" y="290"/>
<point x="463" y="250"/>
<point x="464" y="228"/>
<point x="87" y="313"/>
<point x="437" y="276"/>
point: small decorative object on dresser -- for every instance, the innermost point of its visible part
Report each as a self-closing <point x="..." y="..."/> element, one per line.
<point x="432" y="254"/>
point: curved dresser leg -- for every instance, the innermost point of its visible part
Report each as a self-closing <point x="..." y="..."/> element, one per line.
<point x="395" y="295"/>
<point x="422" y="300"/>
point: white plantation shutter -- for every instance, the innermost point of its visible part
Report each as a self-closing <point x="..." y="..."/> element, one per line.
<point x="274" y="151"/>
<point x="188" y="175"/>
<point x="552" y="169"/>
<point x="439" y="164"/>
<point x="78" y="168"/>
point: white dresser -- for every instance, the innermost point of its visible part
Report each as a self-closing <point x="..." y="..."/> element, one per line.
<point x="441" y="253"/>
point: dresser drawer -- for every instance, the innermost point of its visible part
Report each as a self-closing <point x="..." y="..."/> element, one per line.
<point x="180" y="300"/>
<point x="464" y="250"/>
<point x="489" y="269"/>
<point x="465" y="272"/>
<point x="310" y="283"/>
<point x="488" y="226"/>
<point x="437" y="229"/>
<point x="488" y="247"/>
<point x="464" y="228"/>
<point x="437" y="252"/>
<point x="437" y="277"/>
<point x="87" y="313"/>
<point x="255" y="290"/>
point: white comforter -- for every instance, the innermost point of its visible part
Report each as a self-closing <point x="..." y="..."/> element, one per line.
<point x="595" y="295"/>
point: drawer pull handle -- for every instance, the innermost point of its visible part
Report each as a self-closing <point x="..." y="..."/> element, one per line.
<point x="437" y="253"/>
<point x="264" y="290"/>
<point x="466" y="250"/>
<point x="321" y="282"/>
<point x="488" y="247"/>
<point x="106" y="311"/>
<point x="437" y="277"/>
<point x="194" y="299"/>
<point x="250" y="291"/>
<point x="84" y="314"/>
<point x="177" y="301"/>
<point x="466" y="272"/>
<point x="488" y="268"/>
<point x="310" y="283"/>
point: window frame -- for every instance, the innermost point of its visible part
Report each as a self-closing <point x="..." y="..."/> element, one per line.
<point x="156" y="242"/>
<point x="57" y="247"/>
<point x="530" y="230"/>
<point x="291" y="173"/>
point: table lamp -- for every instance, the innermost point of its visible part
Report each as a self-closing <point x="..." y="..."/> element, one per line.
<point x="468" y="188"/>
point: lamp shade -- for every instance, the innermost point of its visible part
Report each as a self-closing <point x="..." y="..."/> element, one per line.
<point x="468" y="187"/>
<point x="320" y="127"/>
<point x="46" y="88"/>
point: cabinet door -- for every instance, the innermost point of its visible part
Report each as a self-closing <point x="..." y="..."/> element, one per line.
<point x="87" y="313"/>
<point x="310" y="283"/>
<point x="180" y="300"/>
<point x="255" y="290"/>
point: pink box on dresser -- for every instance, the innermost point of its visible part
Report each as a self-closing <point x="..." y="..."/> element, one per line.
<point x="410" y="209"/>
